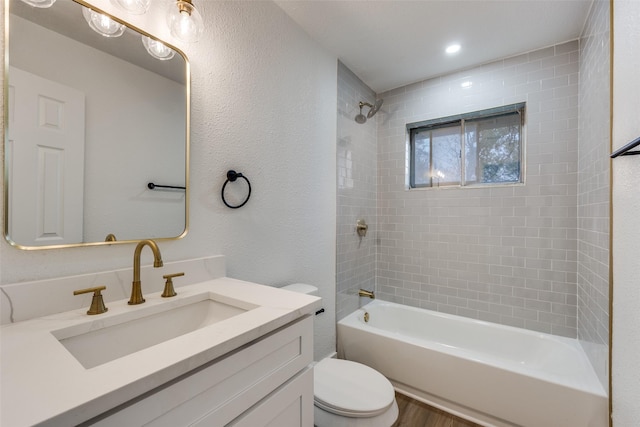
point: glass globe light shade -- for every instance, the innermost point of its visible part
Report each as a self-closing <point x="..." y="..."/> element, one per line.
<point x="185" y="22"/>
<point x="157" y="49"/>
<point x="136" y="7"/>
<point x="40" y="3"/>
<point x="102" y="24"/>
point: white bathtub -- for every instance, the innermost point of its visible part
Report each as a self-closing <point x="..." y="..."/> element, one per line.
<point x="491" y="374"/>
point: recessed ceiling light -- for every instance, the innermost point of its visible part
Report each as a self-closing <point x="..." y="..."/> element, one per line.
<point x="451" y="49"/>
<point x="466" y="85"/>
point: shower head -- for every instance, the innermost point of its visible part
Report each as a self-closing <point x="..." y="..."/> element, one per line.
<point x="360" y="118"/>
<point x="373" y="109"/>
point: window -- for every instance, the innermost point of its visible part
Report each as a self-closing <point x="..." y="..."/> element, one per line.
<point x="484" y="147"/>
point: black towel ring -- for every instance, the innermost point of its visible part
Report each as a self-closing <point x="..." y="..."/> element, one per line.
<point x="231" y="177"/>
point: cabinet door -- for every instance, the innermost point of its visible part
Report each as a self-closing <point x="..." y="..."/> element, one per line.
<point x="289" y="406"/>
<point x="224" y="389"/>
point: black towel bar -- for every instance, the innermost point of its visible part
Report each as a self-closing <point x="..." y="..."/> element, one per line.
<point x="626" y="150"/>
<point x="153" y="186"/>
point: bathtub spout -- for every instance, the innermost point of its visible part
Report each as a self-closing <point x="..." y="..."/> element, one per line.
<point x="365" y="293"/>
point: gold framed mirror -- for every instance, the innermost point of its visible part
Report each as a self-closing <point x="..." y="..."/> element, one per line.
<point x="96" y="132"/>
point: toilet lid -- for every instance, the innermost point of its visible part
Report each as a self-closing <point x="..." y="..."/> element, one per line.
<point x="351" y="389"/>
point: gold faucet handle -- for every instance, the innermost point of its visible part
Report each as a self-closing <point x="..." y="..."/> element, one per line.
<point x="97" y="302"/>
<point x="168" y="286"/>
<point x="361" y="227"/>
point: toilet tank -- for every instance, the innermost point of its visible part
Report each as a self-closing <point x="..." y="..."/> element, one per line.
<point x="302" y="288"/>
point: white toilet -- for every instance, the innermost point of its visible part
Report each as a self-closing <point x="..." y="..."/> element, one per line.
<point x="349" y="394"/>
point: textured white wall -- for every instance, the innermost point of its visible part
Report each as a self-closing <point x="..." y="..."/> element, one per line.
<point x="626" y="211"/>
<point x="264" y="102"/>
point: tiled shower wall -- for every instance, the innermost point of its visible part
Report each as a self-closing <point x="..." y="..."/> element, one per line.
<point x="356" y="162"/>
<point x="506" y="254"/>
<point x="594" y="188"/>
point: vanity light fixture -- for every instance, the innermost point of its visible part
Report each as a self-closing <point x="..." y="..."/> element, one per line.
<point x="157" y="49"/>
<point x="184" y="20"/>
<point x="135" y="7"/>
<point x="102" y="24"/>
<point x="40" y="3"/>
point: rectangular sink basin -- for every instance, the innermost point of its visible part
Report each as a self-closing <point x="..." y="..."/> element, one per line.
<point x="97" y="342"/>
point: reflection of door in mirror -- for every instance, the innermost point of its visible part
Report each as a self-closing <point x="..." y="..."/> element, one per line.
<point x="46" y="164"/>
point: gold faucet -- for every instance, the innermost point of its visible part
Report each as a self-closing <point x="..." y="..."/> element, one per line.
<point x="365" y="293"/>
<point x="136" y="288"/>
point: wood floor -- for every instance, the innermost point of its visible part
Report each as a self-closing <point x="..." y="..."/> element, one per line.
<point x="418" y="414"/>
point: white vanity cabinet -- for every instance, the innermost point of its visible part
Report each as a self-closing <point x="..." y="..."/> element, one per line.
<point x="179" y="361"/>
<point x="266" y="382"/>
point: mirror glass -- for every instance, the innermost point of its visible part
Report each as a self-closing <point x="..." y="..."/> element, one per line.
<point x="90" y="122"/>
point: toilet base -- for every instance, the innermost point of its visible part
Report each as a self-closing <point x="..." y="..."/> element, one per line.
<point x="322" y="418"/>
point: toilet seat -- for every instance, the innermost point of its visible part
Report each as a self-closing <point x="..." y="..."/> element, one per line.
<point x="351" y="389"/>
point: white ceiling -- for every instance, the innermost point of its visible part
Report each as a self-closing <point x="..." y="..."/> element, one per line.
<point x="392" y="43"/>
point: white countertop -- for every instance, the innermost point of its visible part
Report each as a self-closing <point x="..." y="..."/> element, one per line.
<point x="41" y="382"/>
